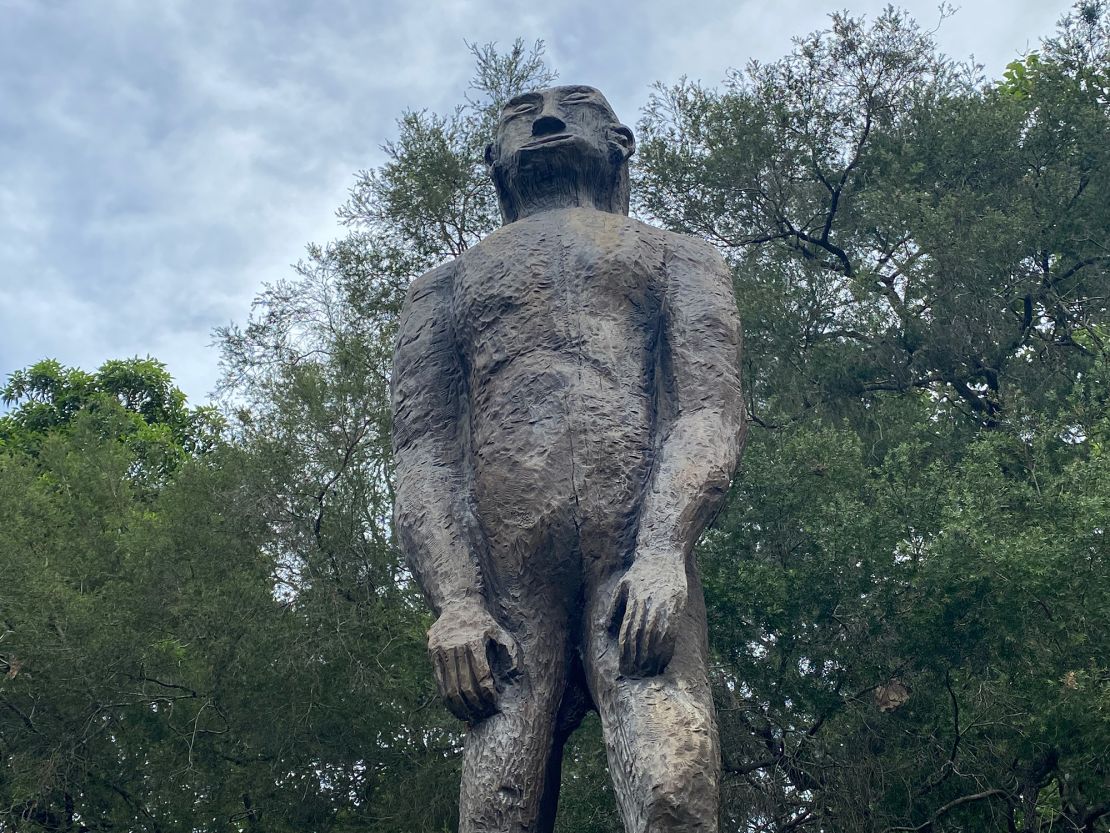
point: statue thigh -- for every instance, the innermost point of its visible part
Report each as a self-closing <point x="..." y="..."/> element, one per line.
<point x="549" y="554"/>
<point x="511" y="762"/>
<point x="512" y="759"/>
<point x="660" y="732"/>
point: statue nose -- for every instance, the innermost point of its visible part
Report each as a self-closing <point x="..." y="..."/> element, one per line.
<point x="546" y="125"/>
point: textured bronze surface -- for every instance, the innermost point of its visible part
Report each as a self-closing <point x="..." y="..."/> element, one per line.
<point x="567" y="418"/>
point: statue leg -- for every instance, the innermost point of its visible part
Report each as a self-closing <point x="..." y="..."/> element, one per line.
<point x="512" y="760"/>
<point x="660" y="732"/>
<point x="508" y="755"/>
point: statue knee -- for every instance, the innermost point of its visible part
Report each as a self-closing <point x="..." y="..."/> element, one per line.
<point x="682" y="786"/>
<point x="685" y="801"/>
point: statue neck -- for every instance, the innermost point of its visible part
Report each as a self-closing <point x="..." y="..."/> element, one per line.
<point x="554" y="200"/>
<point x="530" y="192"/>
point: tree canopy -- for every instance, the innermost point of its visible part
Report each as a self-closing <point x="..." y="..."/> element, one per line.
<point x="204" y="620"/>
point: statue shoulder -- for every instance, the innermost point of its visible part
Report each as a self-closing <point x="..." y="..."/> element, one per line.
<point x="696" y="248"/>
<point x="684" y="253"/>
<point x="434" y="283"/>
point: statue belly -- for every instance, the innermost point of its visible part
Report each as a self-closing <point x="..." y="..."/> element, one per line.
<point x="558" y="322"/>
<point x="559" y="445"/>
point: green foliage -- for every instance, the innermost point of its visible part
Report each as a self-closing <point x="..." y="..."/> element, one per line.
<point x="113" y="613"/>
<point x="47" y="397"/>
<point x="207" y="626"/>
<point x="308" y="380"/>
<point x="962" y="575"/>
<point x="903" y="587"/>
<point x="1020" y="76"/>
<point x="897" y="226"/>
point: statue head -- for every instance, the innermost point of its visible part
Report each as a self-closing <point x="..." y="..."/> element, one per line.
<point x="557" y="148"/>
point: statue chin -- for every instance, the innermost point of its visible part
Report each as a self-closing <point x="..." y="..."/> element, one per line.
<point x="562" y="172"/>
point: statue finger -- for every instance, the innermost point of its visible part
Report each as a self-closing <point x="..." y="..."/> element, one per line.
<point x="457" y="706"/>
<point x="624" y="639"/>
<point x="629" y="630"/>
<point x="652" y="628"/>
<point x="643" y="633"/>
<point x="618" y="607"/>
<point x="439" y="670"/>
<point x="662" y="639"/>
<point x="460" y="703"/>
<point x="644" y="630"/>
<point x="485" y="686"/>
<point x="448" y="687"/>
<point x="468" y="687"/>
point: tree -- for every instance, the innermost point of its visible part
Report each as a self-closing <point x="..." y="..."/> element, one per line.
<point x="114" y="624"/>
<point x="47" y="397"/>
<point x="207" y="626"/>
<point x="309" y="376"/>
<point x="901" y="586"/>
<point x="891" y="195"/>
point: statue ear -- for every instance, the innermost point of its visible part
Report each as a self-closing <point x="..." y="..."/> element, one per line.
<point x="491" y="155"/>
<point x="625" y="139"/>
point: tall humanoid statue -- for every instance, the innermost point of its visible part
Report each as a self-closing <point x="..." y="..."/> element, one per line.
<point x="567" y="418"/>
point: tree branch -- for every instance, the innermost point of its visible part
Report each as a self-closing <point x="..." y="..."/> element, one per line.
<point x="926" y="826"/>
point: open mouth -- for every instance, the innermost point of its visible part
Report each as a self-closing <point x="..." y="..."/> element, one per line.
<point x="547" y="140"/>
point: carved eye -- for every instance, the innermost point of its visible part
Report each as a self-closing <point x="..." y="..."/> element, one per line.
<point x="577" y="98"/>
<point x="510" y="113"/>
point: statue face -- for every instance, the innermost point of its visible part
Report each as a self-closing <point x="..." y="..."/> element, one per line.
<point x="557" y="147"/>
<point x="538" y="122"/>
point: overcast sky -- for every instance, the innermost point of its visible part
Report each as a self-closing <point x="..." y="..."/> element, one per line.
<point x="160" y="159"/>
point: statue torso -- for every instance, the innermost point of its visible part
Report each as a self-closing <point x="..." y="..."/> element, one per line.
<point x="557" y="321"/>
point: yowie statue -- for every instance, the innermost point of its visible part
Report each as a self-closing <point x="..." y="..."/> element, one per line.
<point x="567" y="418"/>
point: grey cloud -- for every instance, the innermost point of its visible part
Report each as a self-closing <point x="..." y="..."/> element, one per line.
<point x="162" y="159"/>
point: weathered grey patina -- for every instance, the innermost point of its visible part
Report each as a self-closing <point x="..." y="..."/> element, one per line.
<point x="567" y="418"/>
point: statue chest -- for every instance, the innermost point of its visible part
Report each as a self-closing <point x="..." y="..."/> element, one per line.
<point x="577" y="284"/>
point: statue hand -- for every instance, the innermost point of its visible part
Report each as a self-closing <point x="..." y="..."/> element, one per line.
<point x="469" y="650"/>
<point x="649" y="601"/>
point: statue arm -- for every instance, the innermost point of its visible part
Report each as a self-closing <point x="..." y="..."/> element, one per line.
<point x="431" y="512"/>
<point x="701" y="420"/>
<point x="700" y="433"/>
